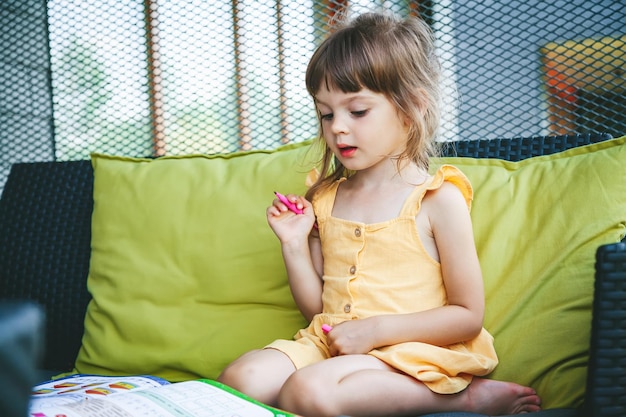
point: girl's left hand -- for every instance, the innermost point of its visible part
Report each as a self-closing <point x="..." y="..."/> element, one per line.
<point x="351" y="337"/>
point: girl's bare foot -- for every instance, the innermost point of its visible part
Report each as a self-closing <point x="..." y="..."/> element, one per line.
<point x="496" y="398"/>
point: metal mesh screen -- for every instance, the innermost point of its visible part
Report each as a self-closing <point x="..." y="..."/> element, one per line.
<point x="163" y="77"/>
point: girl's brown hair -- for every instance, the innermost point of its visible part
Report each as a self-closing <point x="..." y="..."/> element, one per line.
<point x="387" y="55"/>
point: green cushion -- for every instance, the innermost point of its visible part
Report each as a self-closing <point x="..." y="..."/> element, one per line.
<point x="537" y="225"/>
<point x="185" y="272"/>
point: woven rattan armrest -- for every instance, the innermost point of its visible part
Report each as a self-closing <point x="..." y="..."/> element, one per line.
<point x="606" y="377"/>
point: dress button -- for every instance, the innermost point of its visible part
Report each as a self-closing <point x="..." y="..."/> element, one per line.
<point x="347" y="308"/>
<point x="357" y="232"/>
<point x="352" y="269"/>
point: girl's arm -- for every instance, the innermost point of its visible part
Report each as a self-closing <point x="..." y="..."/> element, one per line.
<point x="461" y="319"/>
<point x="301" y="252"/>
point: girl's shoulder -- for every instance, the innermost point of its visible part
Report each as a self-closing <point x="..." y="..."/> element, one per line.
<point x="452" y="175"/>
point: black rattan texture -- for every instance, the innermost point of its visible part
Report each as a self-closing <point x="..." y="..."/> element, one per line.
<point x="45" y="243"/>
<point x="606" y="381"/>
<point x="516" y="149"/>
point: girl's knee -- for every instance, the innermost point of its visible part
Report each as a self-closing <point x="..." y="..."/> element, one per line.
<point x="247" y="370"/>
<point x="259" y="374"/>
<point x="234" y="374"/>
<point x="306" y="394"/>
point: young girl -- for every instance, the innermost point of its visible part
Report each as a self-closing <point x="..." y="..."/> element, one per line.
<point x="383" y="254"/>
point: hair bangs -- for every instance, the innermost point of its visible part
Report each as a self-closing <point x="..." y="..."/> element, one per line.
<point x="345" y="63"/>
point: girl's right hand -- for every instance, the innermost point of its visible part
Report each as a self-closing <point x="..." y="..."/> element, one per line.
<point x="288" y="225"/>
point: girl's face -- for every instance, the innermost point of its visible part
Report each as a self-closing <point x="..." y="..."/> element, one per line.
<point x="362" y="129"/>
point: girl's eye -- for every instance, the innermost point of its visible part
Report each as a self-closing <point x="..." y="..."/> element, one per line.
<point x="326" y="116"/>
<point x="359" y="113"/>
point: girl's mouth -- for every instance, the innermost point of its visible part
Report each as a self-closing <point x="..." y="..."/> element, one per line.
<point x="347" y="151"/>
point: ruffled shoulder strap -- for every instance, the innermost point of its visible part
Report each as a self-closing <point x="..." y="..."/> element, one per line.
<point x="324" y="200"/>
<point x="444" y="173"/>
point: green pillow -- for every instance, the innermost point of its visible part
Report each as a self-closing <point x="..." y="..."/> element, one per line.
<point x="185" y="273"/>
<point x="537" y="225"/>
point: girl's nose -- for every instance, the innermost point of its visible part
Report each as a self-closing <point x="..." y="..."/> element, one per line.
<point x="339" y="126"/>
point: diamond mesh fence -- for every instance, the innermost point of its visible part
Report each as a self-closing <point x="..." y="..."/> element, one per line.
<point x="164" y="77"/>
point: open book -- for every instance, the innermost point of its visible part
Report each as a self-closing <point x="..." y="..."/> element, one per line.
<point x="142" y="396"/>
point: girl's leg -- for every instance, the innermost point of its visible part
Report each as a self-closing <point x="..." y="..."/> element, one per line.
<point x="259" y="374"/>
<point x="361" y="385"/>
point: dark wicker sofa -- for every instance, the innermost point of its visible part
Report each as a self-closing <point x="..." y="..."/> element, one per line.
<point x="45" y="232"/>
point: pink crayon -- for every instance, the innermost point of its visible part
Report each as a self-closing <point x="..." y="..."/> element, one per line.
<point x="291" y="206"/>
<point x="326" y="328"/>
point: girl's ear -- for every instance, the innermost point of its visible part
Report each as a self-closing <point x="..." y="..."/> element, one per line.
<point x="407" y="121"/>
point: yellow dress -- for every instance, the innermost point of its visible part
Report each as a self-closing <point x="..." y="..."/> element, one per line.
<point x="382" y="268"/>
